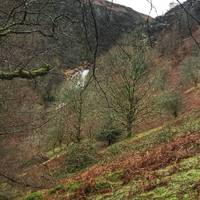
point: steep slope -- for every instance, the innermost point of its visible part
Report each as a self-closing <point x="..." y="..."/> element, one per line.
<point x="70" y="33"/>
<point x="178" y="28"/>
<point x="73" y="42"/>
<point x="154" y="164"/>
<point x="75" y="28"/>
<point x="162" y="163"/>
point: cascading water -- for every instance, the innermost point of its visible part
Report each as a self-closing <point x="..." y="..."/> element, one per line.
<point x="78" y="81"/>
<point x="81" y="77"/>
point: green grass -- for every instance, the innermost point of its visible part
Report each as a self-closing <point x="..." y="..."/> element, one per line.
<point x="179" y="185"/>
<point x="140" y="143"/>
<point x="114" y="176"/>
<point x="57" y="189"/>
<point x="34" y="196"/>
<point x="151" y="138"/>
<point x="72" y="187"/>
<point x="109" y="180"/>
<point x="54" y="152"/>
<point x="175" y="182"/>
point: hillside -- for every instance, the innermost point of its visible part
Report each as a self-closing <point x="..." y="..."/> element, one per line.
<point x="178" y="29"/>
<point x="162" y="163"/>
<point x="66" y="35"/>
<point x="118" y="116"/>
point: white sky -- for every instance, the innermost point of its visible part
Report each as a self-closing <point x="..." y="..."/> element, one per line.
<point x="144" y="7"/>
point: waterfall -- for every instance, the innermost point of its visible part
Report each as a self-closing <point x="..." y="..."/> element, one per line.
<point x="77" y="81"/>
<point x="81" y="77"/>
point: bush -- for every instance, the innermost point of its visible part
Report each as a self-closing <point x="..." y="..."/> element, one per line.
<point x="57" y="189"/>
<point x="72" y="187"/>
<point x="191" y="126"/>
<point x="169" y="102"/>
<point x="191" y="70"/>
<point x="79" y="156"/>
<point x="100" y="186"/>
<point x="160" y="80"/>
<point x="164" y="135"/>
<point x="34" y="196"/>
<point x="109" y="135"/>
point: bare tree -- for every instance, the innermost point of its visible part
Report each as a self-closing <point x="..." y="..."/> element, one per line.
<point x="128" y="87"/>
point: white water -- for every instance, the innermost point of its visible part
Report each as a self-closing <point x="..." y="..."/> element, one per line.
<point x="81" y="77"/>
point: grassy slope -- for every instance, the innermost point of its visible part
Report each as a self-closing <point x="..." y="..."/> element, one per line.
<point x="174" y="182"/>
<point x="163" y="163"/>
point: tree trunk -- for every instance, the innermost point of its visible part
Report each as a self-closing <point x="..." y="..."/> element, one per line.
<point x="129" y="126"/>
<point x="129" y="129"/>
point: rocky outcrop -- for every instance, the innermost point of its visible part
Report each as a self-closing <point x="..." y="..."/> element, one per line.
<point x="182" y="20"/>
<point x="176" y="36"/>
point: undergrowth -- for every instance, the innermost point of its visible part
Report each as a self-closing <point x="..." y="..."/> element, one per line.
<point x="160" y="164"/>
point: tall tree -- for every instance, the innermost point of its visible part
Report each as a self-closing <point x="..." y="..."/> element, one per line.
<point x="128" y="83"/>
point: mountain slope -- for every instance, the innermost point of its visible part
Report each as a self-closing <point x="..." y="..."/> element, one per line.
<point x="178" y="29"/>
<point x="161" y="164"/>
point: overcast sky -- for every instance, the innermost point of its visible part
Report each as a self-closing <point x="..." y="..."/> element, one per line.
<point x="143" y="6"/>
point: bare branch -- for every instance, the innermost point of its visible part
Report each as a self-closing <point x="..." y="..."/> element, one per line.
<point x="26" y="74"/>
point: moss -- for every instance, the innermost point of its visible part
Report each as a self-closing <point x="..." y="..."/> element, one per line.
<point x="57" y="189"/>
<point x="161" y="193"/>
<point x="181" y="184"/>
<point x="102" y="186"/>
<point x="115" y="176"/>
<point x="72" y="187"/>
<point x="186" y="164"/>
<point x="193" y="195"/>
<point x="120" y="194"/>
<point x="181" y="180"/>
<point x="21" y="73"/>
<point x="123" y="193"/>
<point x="191" y="126"/>
<point x="34" y="196"/>
<point x="186" y="178"/>
<point x="109" y="180"/>
<point x="189" y="163"/>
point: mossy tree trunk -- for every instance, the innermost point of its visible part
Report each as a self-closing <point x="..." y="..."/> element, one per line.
<point x="26" y="74"/>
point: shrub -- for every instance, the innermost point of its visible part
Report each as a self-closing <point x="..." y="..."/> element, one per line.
<point x="169" y="102"/>
<point x="191" y="126"/>
<point x="102" y="186"/>
<point x="160" y="80"/>
<point x="56" y="189"/>
<point x="164" y="135"/>
<point x="191" y="70"/>
<point x="115" y="176"/>
<point x="72" y="187"/>
<point x="109" y="135"/>
<point x="34" y="196"/>
<point x="79" y="156"/>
